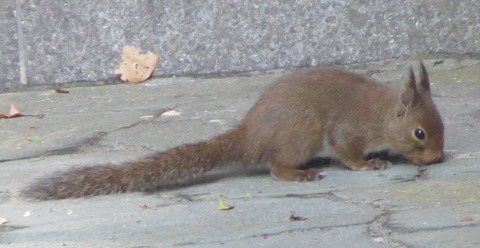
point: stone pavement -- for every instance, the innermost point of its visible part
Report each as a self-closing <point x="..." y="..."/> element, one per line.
<point x="95" y="125"/>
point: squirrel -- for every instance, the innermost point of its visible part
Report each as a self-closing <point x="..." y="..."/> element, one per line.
<point x="309" y="112"/>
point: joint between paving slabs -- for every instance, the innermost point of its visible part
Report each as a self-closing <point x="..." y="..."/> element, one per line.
<point x="91" y="141"/>
<point x="9" y="228"/>
<point x="380" y="232"/>
<point x="153" y="116"/>
<point x="378" y="229"/>
<point x="95" y="139"/>
<point x="329" y="195"/>
<point x="419" y="230"/>
<point x="267" y="235"/>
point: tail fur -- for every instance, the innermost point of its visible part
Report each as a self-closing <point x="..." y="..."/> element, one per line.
<point x="176" y="166"/>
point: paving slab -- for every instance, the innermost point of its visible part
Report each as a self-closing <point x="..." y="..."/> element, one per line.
<point x="115" y="123"/>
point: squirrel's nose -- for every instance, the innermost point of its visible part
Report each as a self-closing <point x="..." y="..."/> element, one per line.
<point x="428" y="157"/>
<point x="439" y="158"/>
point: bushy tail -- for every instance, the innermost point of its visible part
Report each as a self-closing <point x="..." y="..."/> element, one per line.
<point x="176" y="166"/>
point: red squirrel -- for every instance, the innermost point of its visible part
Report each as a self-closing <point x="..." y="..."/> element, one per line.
<point x="306" y="113"/>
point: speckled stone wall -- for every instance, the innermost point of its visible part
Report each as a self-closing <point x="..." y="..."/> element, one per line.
<point x="9" y="53"/>
<point x="48" y="42"/>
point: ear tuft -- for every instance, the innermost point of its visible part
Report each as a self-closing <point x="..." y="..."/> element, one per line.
<point x="424" y="80"/>
<point x="411" y="82"/>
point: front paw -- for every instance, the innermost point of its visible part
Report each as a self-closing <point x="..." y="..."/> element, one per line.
<point x="312" y="174"/>
<point x="372" y="164"/>
<point x="377" y="164"/>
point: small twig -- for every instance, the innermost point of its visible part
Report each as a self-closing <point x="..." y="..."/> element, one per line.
<point x="421" y="175"/>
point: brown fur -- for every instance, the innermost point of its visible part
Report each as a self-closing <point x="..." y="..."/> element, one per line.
<point x="305" y="113"/>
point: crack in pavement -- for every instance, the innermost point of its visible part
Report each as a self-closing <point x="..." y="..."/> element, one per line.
<point x="266" y="235"/>
<point x="91" y="141"/>
<point x="64" y="150"/>
<point x="378" y="229"/>
<point x="375" y="227"/>
<point x="442" y="228"/>
<point x="380" y="233"/>
<point x="10" y="228"/>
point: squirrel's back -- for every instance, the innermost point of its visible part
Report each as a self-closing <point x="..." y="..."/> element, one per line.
<point x="294" y="115"/>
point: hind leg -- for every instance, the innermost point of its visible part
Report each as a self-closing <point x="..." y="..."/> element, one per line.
<point x="293" y="149"/>
<point x="291" y="156"/>
<point x="289" y="140"/>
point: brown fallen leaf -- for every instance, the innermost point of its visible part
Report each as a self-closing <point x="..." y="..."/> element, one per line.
<point x="144" y="206"/>
<point x="13" y="109"/>
<point x="467" y="218"/>
<point x="136" y="67"/>
<point x="294" y="217"/>
<point x="62" y="91"/>
<point x="14" y="113"/>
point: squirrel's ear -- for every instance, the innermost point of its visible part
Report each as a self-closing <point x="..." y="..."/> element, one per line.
<point x="424" y="80"/>
<point x="408" y="97"/>
<point x="406" y="103"/>
<point x="412" y="83"/>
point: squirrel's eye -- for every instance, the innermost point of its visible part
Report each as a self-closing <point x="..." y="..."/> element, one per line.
<point x="419" y="133"/>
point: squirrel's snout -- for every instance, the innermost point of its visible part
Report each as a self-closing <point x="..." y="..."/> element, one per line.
<point x="427" y="157"/>
<point x="438" y="159"/>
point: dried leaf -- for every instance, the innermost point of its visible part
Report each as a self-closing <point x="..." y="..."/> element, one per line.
<point x="3" y="221"/>
<point x="14" y="113"/>
<point x="13" y="110"/>
<point x="171" y="113"/>
<point x="467" y="219"/>
<point x="223" y="206"/>
<point x="294" y="217"/>
<point x="62" y="91"/>
<point x="438" y="62"/>
<point x="136" y="67"/>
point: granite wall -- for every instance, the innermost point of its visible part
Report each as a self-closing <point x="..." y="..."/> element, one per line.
<point x="49" y="42"/>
